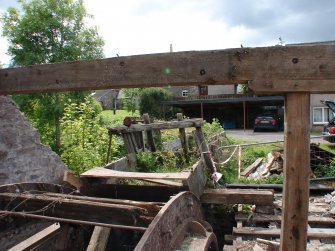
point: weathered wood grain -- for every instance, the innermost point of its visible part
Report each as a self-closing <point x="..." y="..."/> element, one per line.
<point x="37" y="239"/>
<point x="100" y="172"/>
<point x="252" y="167"/>
<point x="159" y="126"/>
<point x="296" y="172"/>
<point x="238" y="196"/>
<point x="313" y="233"/>
<point x="99" y="239"/>
<point x="231" y="66"/>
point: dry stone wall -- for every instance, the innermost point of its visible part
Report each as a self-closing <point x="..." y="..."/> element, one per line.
<point x="22" y="156"/>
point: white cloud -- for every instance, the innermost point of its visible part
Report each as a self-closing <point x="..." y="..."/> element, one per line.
<point x="132" y="27"/>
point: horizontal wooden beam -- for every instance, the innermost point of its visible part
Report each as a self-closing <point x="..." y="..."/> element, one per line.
<point x="231" y="66"/>
<point x="70" y="208"/>
<point x="312" y="233"/>
<point x="159" y="126"/>
<point x="237" y="196"/>
<point x="277" y="218"/>
<point x="100" y="172"/>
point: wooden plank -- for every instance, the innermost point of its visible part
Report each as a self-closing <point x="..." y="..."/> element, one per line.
<point x="316" y="188"/>
<point x="159" y="126"/>
<point x="288" y="86"/>
<point x="80" y="184"/>
<point x="197" y="180"/>
<point x="238" y="196"/>
<point x="313" y="233"/>
<point x="100" y="172"/>
<point x="296" y="172"/>
<point x="37" y="239"/>
<point x="252" y="167"/>
<point x="204" y="149"/>
<point x="99" y="239"/>
<point x="215" y="67"/>
<point x="150" y="138"/>
<point x="264" y="218"/>
<point x="74" y="209"/>
<point x="119" y="165"/>
<point x="165" y="182"/>
<point x="151" y="207"/>
<point x="183" y="138"/>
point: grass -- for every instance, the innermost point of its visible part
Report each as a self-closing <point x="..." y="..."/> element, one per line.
<point x="108" y="118"/>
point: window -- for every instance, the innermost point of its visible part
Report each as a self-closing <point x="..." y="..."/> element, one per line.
<point x="184" y="93"/>
<point x="321" y="115"/>
<point x="203" y="90"/>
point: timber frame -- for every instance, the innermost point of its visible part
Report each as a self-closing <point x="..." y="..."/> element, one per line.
<point x="295" y="71"/>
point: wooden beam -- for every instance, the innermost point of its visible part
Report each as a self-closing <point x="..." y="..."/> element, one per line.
<point x="100" y="172"/>
<point x="313" y="233"/>
<point x="197" y="180"/>
<point x="238" y="196"/>
<point x="260" y="218"/>
<point x="150" y="138"/>
<point x="159" y="126"/>
<point x="70" y="208"/>
<point x="296" y="172"/>
<point x="99" y="239"/>
<point x="37" y="239"/>
<point x="119" y="165"/>
<point x="278" y="86"/>
<point x="183" y="138"/>
<point x="252" y="167"/>
<point x="231" y="66"/>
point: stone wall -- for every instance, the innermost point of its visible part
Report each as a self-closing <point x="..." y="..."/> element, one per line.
<point x="22" y="156"/>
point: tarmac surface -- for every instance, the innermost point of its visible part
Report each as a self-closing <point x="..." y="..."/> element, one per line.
<point x="264" y="136"/>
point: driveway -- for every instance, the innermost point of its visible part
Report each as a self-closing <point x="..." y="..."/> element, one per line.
<point x="250" y="135"/>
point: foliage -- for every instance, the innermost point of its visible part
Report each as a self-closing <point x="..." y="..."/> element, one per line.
<point x="161" y="161"/>
<point x="130" y="101"/>
<point x="249" y="155"/>
<point x="211" y="129"/>
<point x="244" y="89"/>
<point x="49" y="31"/>
<point x="108" y="118"/>
<point x="85" y="141"/>
<point x="321" y="171"/>
<point x="150" y="102"/>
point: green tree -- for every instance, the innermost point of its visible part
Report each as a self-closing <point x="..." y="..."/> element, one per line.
<point x="49" y="31"/>
<point x="130" y="100"/>
<point x="150" y="102"/>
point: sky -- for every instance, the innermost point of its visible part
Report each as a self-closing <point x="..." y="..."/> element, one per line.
<point x="131" y="27"/>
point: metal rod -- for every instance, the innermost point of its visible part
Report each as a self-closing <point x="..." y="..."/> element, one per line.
<point x="43" y="217"/>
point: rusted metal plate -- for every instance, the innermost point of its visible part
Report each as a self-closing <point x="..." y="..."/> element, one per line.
<point x="161" y="233"/>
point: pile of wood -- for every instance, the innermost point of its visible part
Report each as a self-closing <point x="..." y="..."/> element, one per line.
<point x="260" y="230"/>
<point x="260" y="169"/>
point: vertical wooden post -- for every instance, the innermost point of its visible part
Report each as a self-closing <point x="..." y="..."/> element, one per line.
<point x="183" y="138"/>
<point x="202" y="110"/>
<point x="204" y="150"/>
<point x="150" y="137"/>
<point x="296" y="172"/>
<point x="244" y="116"/>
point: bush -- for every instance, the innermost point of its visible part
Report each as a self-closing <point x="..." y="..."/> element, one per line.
<point x="85" y="141"/>
<point x="150" y="102"/>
